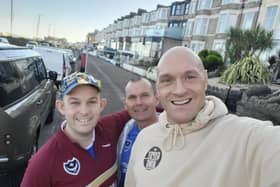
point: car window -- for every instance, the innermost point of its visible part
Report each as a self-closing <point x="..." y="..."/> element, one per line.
<point x="10" y="84"/>
<point x="28" y="69"/>
<point x="41" y="72"/>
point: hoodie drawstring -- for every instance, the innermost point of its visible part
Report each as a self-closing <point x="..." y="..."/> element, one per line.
<point x="175" y="138"/>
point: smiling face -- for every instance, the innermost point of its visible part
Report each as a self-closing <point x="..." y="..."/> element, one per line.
<point x="181" y="84"/>
<point x="141" y="102"/>
<point x="81" y="109"/>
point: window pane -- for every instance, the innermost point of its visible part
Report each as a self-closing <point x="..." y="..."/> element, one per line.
<point x="219" y="46"/>
<point x="230" y="1"/>
<point x="187" y="8"/>
<point x="189" y="28"/>
<point x="269" y="17"/>
<point x="200" y="27"/>
<point x="173" y="10"/>
<point x="193" y="6"/>
<point x="197" y="46"/>
<point x="226" y="21"/>
<point x="248" y="20"/>
<point x="222" y="23"/>
<point x="28" y="70"/>
<point x="42" y="74"/>
<point x="205" y="4"/>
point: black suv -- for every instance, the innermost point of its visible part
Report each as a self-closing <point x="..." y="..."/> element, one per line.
<point x="27" y="100"/>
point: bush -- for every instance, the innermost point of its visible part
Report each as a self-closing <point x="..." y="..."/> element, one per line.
<point x="249" y="70"/>
<point x="213" y="62"/>
<point x="203" y="53"/>
<point x="215" y="53"/>
<point x="211" y="59"/>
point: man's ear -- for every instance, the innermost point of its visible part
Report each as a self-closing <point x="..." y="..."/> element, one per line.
<point x="60" y="106"/>
<point x="206" y="79"/>
<point x="156" y="99"/>
<point x="103" y="103"/>
<point x="124" y="104"/>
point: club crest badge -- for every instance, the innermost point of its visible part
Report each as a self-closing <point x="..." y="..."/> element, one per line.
<point x="127" y="145"/>
<point x="152" y="158"/>
<point x="72" y="167"/>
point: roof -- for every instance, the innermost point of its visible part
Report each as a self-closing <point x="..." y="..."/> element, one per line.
<point x="8" y="52"/>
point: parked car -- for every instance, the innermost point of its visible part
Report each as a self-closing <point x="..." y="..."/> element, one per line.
<point x="31" y="44"/>
<point x="27" y="100"/>
<point x="56" y="60"/>
<point x="70" y="55"/>
<point x="4" y="40"/>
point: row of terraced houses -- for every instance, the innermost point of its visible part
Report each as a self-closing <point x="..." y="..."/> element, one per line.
<point x="197" y="24"/>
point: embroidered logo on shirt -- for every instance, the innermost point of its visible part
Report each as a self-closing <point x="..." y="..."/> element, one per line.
<point x="72" y="167"/>
<point x="152" y="158"/>
<point x="127" y="145"/>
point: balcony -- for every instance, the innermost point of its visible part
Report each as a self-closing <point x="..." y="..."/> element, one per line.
<point x="174" y="32"/>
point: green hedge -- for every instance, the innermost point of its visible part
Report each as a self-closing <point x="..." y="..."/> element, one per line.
<point x="211" y="59"/>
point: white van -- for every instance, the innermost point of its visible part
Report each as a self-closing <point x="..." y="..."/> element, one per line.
<point x="56" y="60"/>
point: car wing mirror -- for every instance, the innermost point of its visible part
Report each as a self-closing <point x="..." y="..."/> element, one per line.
<point x="53" y="75"/>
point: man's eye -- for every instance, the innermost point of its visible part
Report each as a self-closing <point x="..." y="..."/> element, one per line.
<point x="93" y="101"/>
<point x="189" y="77"/>
<point x="74" y="103"/>
<point x="146" y="95"/>
<point x="165" y="80"/>
<point x="131" y="98"/>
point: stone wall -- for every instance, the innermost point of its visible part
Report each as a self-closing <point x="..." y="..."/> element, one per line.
<point x="260" y="102"/>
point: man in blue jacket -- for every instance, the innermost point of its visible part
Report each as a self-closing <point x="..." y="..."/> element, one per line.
<point x="140" y="102"/>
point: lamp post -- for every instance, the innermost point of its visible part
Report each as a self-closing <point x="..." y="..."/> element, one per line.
<point x="38" y="26"/>
<point x="49" y="30"/>
<point x="12" y="17"/>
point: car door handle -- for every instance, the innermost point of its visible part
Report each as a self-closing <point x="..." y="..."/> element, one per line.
<point x="39" y="102"/>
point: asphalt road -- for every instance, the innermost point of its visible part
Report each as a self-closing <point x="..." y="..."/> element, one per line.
<point x="113" y="80"/>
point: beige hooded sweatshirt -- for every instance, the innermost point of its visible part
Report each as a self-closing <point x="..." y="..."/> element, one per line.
<point x="217" y="149"/>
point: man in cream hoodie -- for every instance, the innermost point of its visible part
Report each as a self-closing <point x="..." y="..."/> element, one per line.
<point x="196" y="142"/>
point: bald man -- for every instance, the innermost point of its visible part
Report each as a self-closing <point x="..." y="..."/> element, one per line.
<point x="196" y="142"/>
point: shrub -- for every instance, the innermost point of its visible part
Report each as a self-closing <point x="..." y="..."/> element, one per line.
<point x="213" y="62"/>
<point x="249" y="70"/>
<point x="215" y="53"/>
<point x="203" y="53"/>
<point x="211" y="59"/>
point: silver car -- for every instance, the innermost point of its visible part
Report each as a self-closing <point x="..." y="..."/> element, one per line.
<point x="27" y="98"/>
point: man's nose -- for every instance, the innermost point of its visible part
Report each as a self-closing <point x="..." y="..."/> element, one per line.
<point x="179" y="87"/>
<point x="138" y="100"/>
<point x="84" y="109"/>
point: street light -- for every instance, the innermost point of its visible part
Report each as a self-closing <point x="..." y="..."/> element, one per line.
<point x="12" y="17"/>
<point x="49" y="30"/>
<point x="38" y="26"/>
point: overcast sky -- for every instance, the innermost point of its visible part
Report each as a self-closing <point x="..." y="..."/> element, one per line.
<point x="71" y="19"/>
